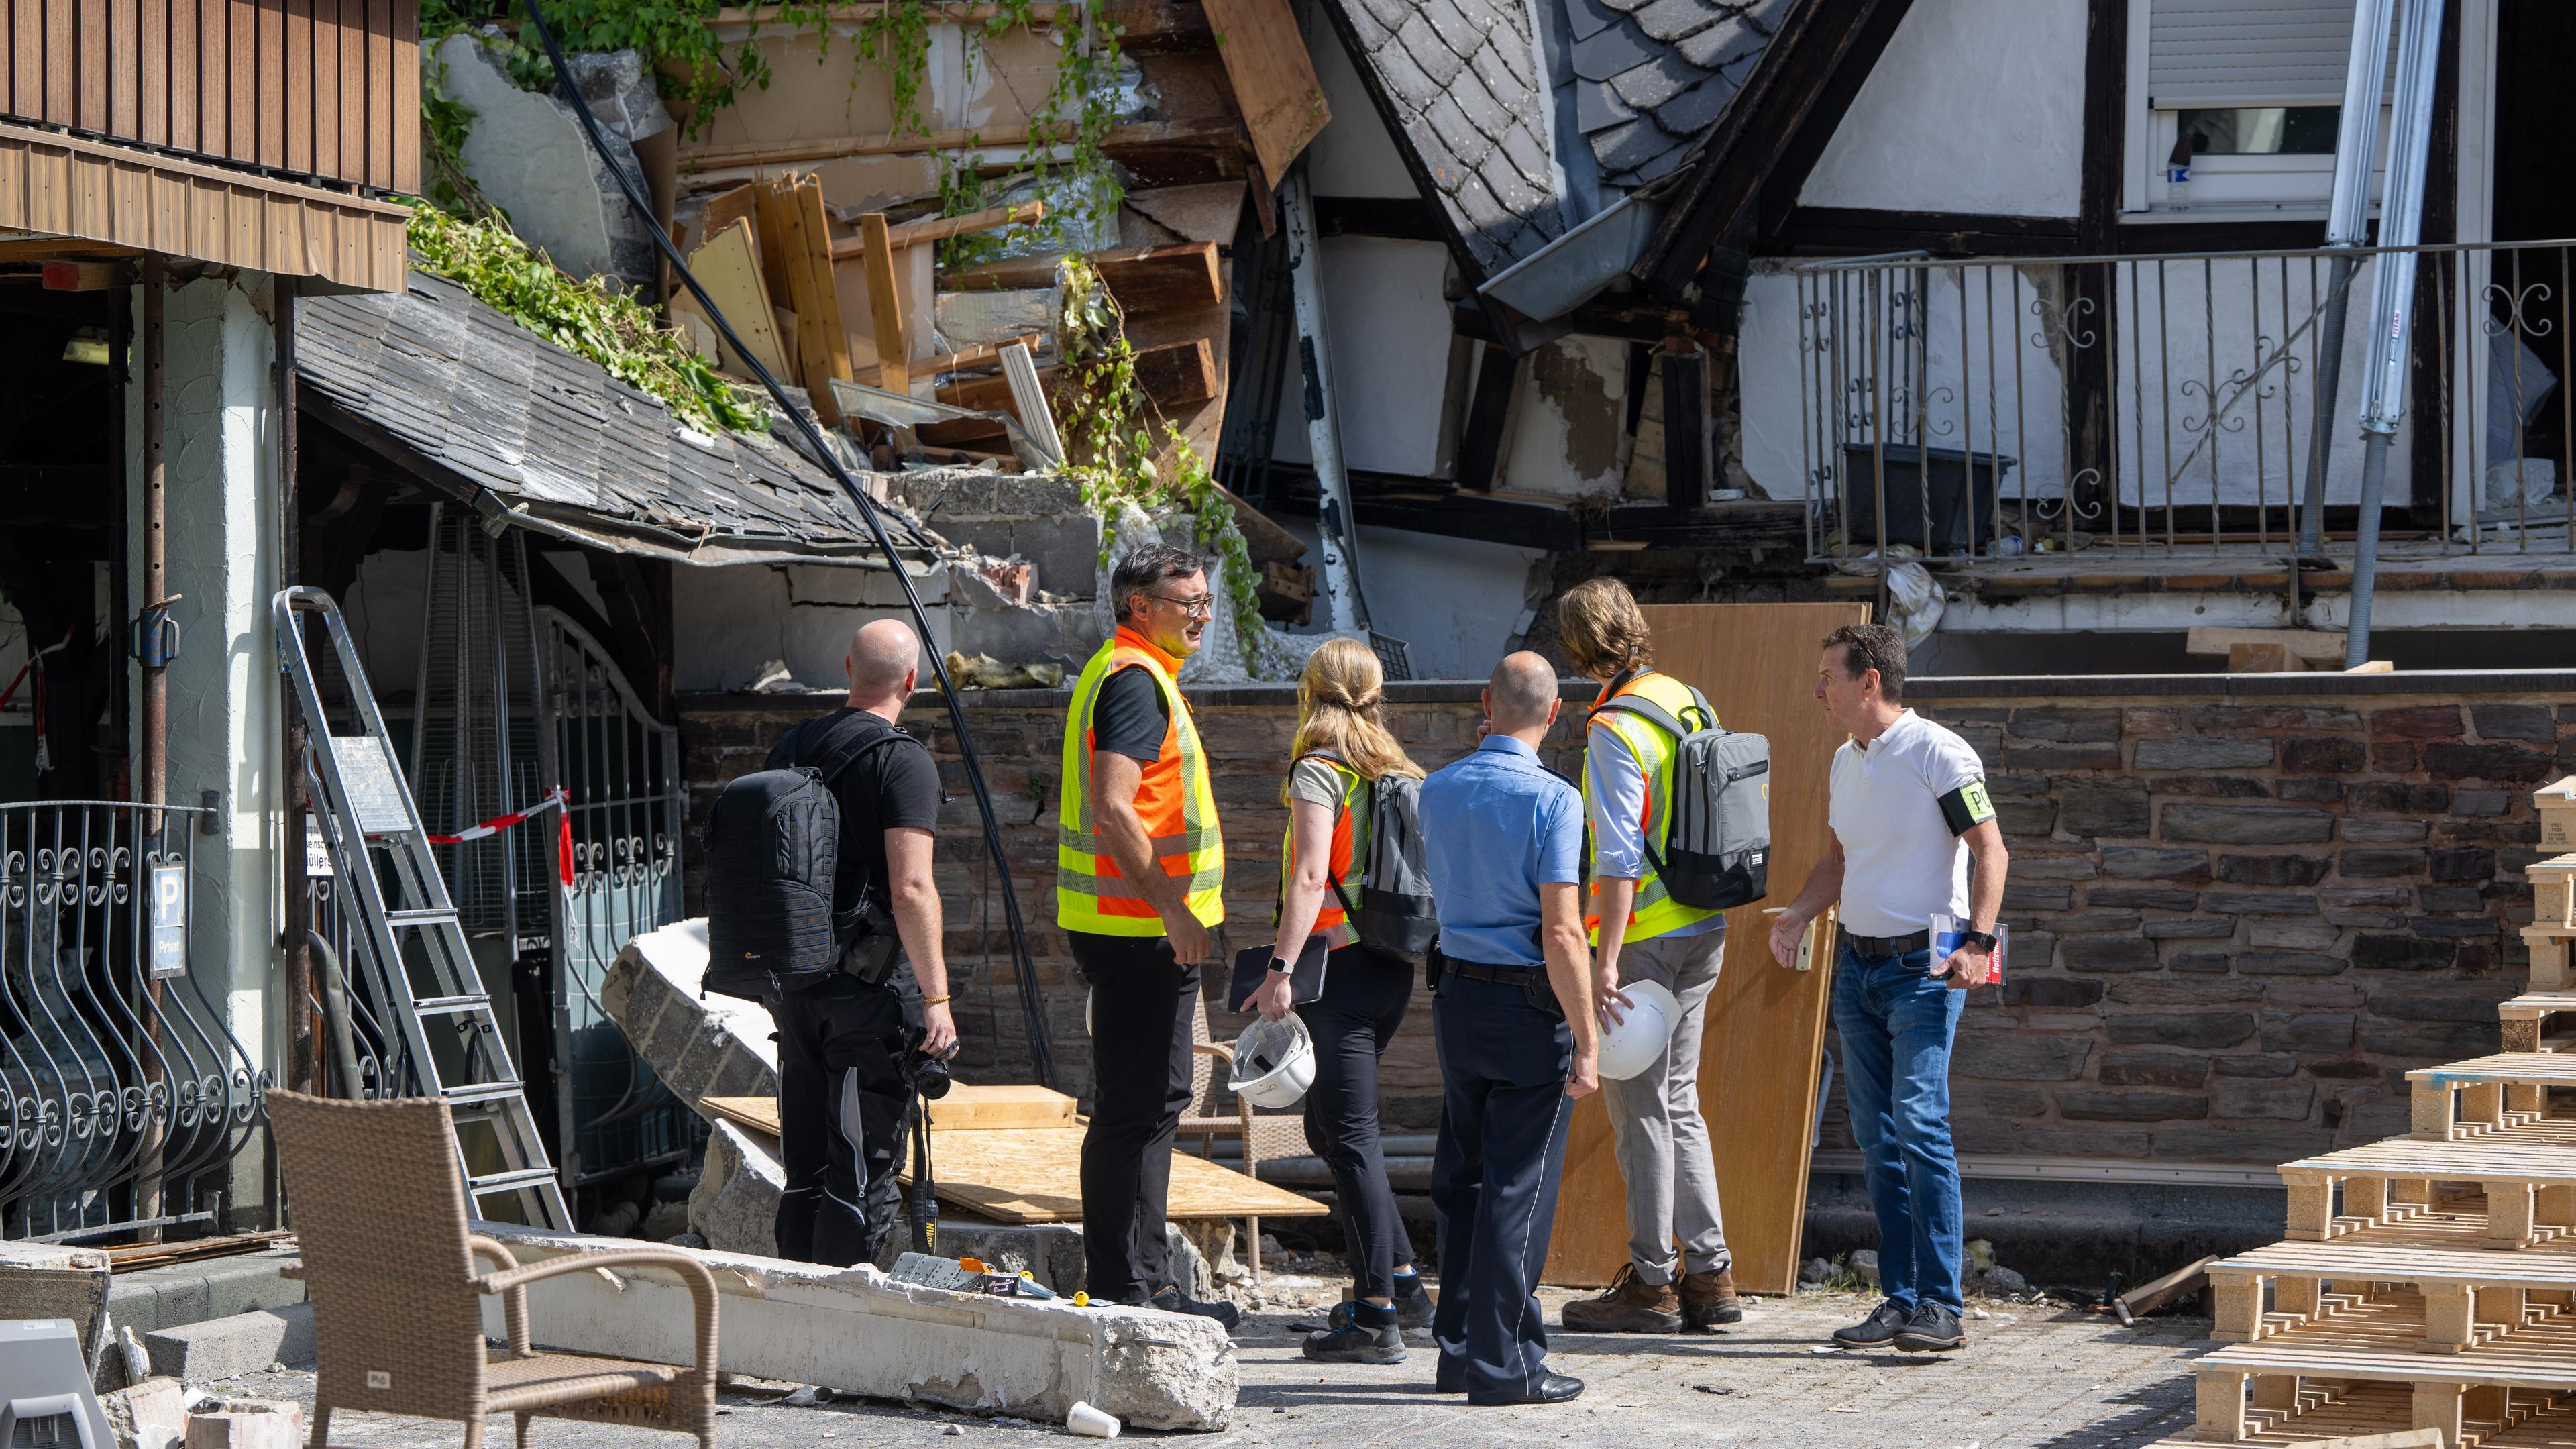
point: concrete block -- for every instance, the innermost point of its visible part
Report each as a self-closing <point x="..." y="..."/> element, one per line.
<point x="248" y="1424"/>
<point x="150" y="1415"/>
<point x="735" y="1208"/>
<point x="692" y="1042"/>
<point x="855" y="1330"/>
<point x="150" y="1299"/>
<point x="42" y="1280"/>
<point x="221" y="1348"/>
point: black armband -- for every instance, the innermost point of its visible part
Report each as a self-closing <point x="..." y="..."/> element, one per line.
<point x="1967" y="807"/>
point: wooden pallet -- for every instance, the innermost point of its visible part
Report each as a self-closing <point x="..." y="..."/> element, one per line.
<point x="2526" y="1023"/>
<point x="2556" y="803"/>
<point x="2490" y="1092"/>
<point x="2382" y="1340"/>
<point x="2528" y="1172"/>
<point x="2470" y="1292"/>
<point x="2529" y="1419"/>
<point x="2549" y="890"/>
<point x="2550" y="949"/>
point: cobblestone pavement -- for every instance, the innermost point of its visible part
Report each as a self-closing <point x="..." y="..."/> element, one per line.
<point x="2033" y="1377"/>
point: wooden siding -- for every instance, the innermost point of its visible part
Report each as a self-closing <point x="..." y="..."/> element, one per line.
<point x="320" y="90"/>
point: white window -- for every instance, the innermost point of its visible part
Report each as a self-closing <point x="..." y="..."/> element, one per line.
<point x="2257" y="88"/>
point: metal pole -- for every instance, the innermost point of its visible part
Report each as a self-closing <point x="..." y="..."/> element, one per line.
<point x="2347" y="226"/>
<point x="2392" y="297"/>
<point x="155" y="722"/>
<point x="302" y="1064"/>
<point x="1347" y="609"/>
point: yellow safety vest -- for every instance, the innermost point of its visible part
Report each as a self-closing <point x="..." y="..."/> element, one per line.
<point x="1653" y="912"/>
<point x="1174" y="800"/>
<point x="1347" y="857"/>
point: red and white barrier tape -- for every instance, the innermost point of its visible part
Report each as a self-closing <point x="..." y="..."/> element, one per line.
<point x="499" y="823"/>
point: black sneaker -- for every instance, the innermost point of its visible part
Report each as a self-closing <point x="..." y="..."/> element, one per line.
<point x="1361" y="1332"/>
<point x="1172" y="1300"/>
<point x="1412" y="1301"/>
<point x="1878" y="1330"/>
<point x="1932" y="1329"/>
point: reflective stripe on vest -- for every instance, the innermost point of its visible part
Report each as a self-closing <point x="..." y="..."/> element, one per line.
<point x="1653" y="912"/>
<point x="1346" y="860"/>
<point x="1173" y="800"/>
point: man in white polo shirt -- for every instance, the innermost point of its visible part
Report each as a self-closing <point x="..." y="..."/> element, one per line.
<point x="1910" y="814"/>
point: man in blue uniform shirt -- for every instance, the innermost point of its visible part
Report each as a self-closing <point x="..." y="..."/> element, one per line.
<point x="1502" y="840"/>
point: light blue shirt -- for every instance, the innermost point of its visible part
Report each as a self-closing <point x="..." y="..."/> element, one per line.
<point x="1618" y="805"/>
<point x="1495" y="827"/>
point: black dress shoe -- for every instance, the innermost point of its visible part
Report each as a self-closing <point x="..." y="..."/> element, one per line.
<point x="1876" y="1331"/>
<point x="1550" y="1389"/>
<point x="1932" y="1329"/>
<point x="1171" y="1299"/>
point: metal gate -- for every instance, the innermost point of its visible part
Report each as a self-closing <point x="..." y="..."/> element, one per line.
<point x="124" y="1096"/>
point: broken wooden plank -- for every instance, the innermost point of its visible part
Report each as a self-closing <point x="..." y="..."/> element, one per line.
<point x="1143" y="279"/>
<point x="1167" y="377"/>
<point x="941" y="228"/>
<point x="914" y="143"/>
<point x="976" y="356"/>
<point x="1273" y="77"/>
<point x="1205" y="213"/>
<point x="885" y="305"/>
<point x="783" y="235"/>
<point x="727" y="264"/>
<point x="2187" y="1279"/>
<point x="833" y="340"/>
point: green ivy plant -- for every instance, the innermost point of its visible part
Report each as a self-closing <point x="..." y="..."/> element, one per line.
<point x="608" y="327"/>
<point x="1112" y="451"/>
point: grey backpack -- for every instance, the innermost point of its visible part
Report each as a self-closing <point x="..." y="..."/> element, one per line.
<point x="1717" y="836"/>
<point x="1393" y="914"/>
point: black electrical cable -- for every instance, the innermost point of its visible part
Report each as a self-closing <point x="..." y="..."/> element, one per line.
<point x="1041" y="1055"/>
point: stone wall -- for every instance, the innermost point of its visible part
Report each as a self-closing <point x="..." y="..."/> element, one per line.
<point x="2243" y="905"/>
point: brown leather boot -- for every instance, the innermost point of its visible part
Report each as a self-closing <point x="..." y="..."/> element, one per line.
<point x="1631" y="1305"/>
<point x="1708" y="1299"/>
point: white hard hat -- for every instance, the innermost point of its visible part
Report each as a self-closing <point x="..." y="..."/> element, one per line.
<point x="1632" y="1045"/>
<point x="1274" y="1063"/>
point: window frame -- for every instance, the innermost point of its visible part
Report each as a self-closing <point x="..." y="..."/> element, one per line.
<point x="2298" y="187"/>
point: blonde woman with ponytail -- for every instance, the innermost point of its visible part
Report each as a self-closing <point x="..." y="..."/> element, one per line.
<point x="1341" y="748"/>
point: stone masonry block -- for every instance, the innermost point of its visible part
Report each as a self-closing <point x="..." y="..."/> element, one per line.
<point x="2315" y="790"/>
<point x="2104" y="809"/>
<point x="2076" y="726"/>
<point x="2290" y="963"/>
<point x="2148" y="898"/>
<point x="2020" y="989"/>
<point x="2142" y="1067"/>
<point x="2109" y="953"/>
<point x="2189" y="928"/>
<point x="2491" y="761"/>
<point x="2201" y="963"/>
<point x="2202" y="753"/>
<point x="2133" y="862"/>
<point x="2231" y="719"/>
<point x="2201" y="1029"/>
<point x="2380" y="864"/>
<point x="2287" y="1099"/>
<point x="2515" y="722"/>
<point x="2246" y="824"/>
<point x="2011" y="1056"/>
<point x="2478" y="865"/>
<point x="2392" y="797"/>
<point x="152" y="1414"/>
<point x="2362" y="830"/>
<point x="2402" y="953"/>
<point x="2418" y="722"/>
<point x="2271" y="870"/>
<point x="248" y="1424"/>
<point x="2330" y="756"/>
<point x="2260" y="1065"/>
<point x="2083" y="1104"/>
<point x="2260" y="903"/>
<point x="2046" y="755"/>
<point x="221" y="1348"/>
<point x="2307" y="1031"/>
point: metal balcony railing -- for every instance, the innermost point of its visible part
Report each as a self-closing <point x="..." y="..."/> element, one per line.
<point x="2000" y="408"/>
<point x="124" y="1094"/>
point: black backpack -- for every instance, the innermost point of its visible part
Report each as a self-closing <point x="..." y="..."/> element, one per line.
<point x="1394" y="913"/>
<point x="1718" y="838"/>
<point x="773" y="845"/>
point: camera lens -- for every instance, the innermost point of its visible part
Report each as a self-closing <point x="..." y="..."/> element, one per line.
<point x="930" y="1078"/>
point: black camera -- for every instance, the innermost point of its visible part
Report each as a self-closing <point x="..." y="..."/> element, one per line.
<point x="929" y="1074"/>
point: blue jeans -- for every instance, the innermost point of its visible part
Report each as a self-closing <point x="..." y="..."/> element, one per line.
<point x="1896" y="1022"/>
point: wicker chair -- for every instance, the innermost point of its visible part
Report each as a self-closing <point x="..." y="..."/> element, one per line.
<point x="378" y="1206"/>
<point x="1265" y="1135"/>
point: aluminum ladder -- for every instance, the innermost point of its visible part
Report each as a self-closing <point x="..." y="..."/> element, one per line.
<point x="421" y="967"/>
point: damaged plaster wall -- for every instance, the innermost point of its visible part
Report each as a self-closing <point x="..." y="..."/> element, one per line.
<point x="1387" y="311"/>
<point x="1353" y="155"/>
<point x="730" y="623"/>
<point x="527" y="155"/>
<point x="1571" y="419"/>
<point x="1976" y="106"/>
<point x="1458" y="603"/>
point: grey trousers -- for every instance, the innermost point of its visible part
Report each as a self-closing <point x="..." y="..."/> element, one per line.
<point x="1655" y="1124"/>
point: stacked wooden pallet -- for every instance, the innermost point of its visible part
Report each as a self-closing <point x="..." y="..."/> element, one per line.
<point x="2428" y="1281"/>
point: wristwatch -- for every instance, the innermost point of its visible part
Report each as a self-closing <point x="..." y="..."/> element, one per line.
<point x="1280" y="965"/>
<point x="1982" y="940"/>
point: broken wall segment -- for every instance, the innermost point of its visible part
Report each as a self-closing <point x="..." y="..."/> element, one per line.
<point x="43" y="1280"/>
<point x="526" y="153"/>
<point x="857" y="1331"/>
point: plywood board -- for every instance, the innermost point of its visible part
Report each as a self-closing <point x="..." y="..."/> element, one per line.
<point x="1273" y="78"/>
<point x="728" y="266"/>
<point x="966" y="1108"/>
<point x="1765" y="1026"/>
<point x="1035" y="1176"/>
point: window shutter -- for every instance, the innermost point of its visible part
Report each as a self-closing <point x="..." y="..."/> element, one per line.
<point x="2248" y="52"/>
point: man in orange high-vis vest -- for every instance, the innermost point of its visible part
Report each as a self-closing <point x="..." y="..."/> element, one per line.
<point x="1140" y="876"/>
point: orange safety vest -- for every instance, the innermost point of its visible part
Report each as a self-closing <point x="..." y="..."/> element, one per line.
<point x="1350" y="824"/>
<point x="1174" y="800"/>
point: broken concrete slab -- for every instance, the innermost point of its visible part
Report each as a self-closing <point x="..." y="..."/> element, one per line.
<point x="44" y="1280"/>
<point x="150" y="1415"/>
<point x="856" y="1330"/>
<point x="149" y="1299"/>
<point x="735" y="1208"/>
<point x="248" y="1424"/>
<point x="699" y="1045"/>
<point x="221" y="1348"/>
<point x="526" y="153"/>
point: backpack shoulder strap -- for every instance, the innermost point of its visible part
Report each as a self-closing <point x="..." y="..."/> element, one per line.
<point x="1647" y="710"/>
<point x="856" y="738"/>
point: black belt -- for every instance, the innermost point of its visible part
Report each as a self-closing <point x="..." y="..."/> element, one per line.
<point x="1879" y="948"/>
<point x="1479" y="971"/>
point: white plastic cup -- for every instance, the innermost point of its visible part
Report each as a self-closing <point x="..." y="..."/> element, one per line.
<point x="1084" y="1419"/>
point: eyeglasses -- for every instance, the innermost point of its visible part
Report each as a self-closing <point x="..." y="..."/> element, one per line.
<point x="1202" y="607"/>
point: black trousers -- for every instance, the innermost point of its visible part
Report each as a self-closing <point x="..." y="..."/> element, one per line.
<point x="844" y="1105"/>
<point x="1352" y="1022"/>
<point x="1142" y="1005"/>
<point x="1503" y="1120"/>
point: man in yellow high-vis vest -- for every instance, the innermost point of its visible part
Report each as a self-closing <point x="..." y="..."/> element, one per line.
<point x="1640" y="933"/>
<point x="1140" y="876"/>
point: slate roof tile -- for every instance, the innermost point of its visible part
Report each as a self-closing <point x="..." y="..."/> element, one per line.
<point x="1723" y="44"/>
<point x="1664" y="165"/>
<point x="1420" y="39"/>
<point x="1694" y="110"/>
<point x="1597" y="107"/>
<point x="1585" y="17"/>
<point x="1669" y="20"/>
<point x="1528" y="157"/>
<point x="1659" y="80"/>
<point x="1621" y="47"/>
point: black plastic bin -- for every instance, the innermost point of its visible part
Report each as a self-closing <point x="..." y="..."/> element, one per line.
<point x="1963" y="497"/>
